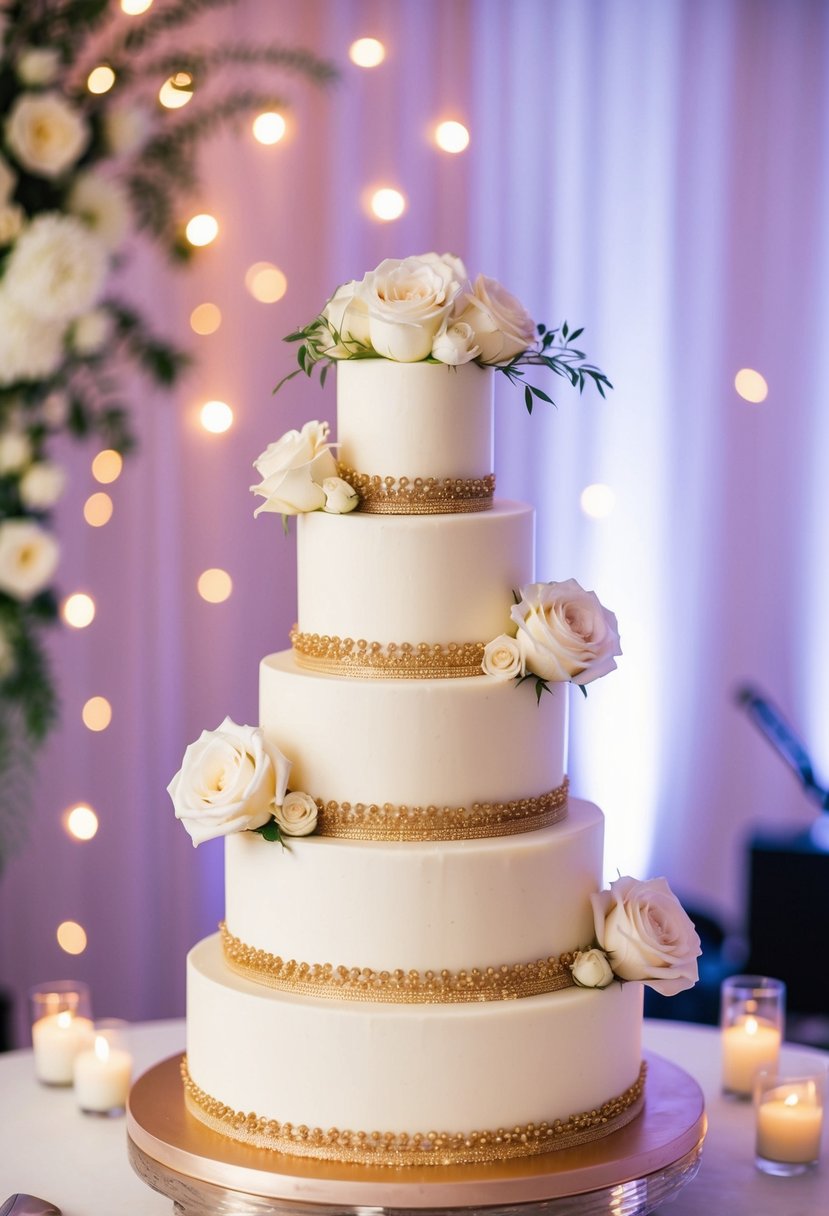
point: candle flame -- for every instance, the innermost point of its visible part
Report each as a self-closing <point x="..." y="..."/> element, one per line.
<point x="752" y="1025"/>
<point x="65" y="1019"/>
<point x="790" y="1100"/>
<point x="101" y="1048"/>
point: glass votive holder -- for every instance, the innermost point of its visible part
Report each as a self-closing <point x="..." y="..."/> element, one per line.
<point x="752" y="1019"/>
<point x="789" y="1112"/>
<point x="103" y="1072"/>
<point x="61" y="1019"/>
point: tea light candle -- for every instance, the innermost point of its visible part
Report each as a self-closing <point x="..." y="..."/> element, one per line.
<point x="102" y="1077"/>
<point x="57" y="1040"/>
<point x="789" y="1127"/>
<point x="748" y="1046"/>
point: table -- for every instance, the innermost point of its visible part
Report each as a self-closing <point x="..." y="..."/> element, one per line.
<point x="79" y="1162"/>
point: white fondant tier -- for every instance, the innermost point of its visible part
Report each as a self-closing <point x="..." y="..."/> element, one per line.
<point x="414" y="419"/>
<point x="402" y="1068"/>
<point x="425" y="906"/>
<point x="412" y="578"/>
<point x="445" y="743"/>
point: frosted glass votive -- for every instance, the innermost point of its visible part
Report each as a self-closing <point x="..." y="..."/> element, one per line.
<point x="789" y="1112"/>
<point x="103" y="1073"/>
<point x="61" y="1028"/>
<point x="752" y="1016"/>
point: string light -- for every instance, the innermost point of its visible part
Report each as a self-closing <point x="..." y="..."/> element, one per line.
<point x="751" y="386"/>
<point x="97" y="714"/>
<point x="216" y="417"/>
<point x="367" y="52"/>
<point x="80" y="822"/>
<point x="78" y="610"/>
<point x="107" y="466"/>
<point x="134" y="8"/>
<point x="71" y="937"/>
<point x="176" y="91"/>
<point x="100" y="79"/>
<point x="269" y="127"/>
<point x="598" y="500"/>
<point x="387" y="204"/>
<point x="205" y="319"/>
<point x="266" y="282"/>
<point x="202" y="229"/>
<point x="451" y="136"/>
<point x="97" y="510"/>
<point x="215" y="585"/>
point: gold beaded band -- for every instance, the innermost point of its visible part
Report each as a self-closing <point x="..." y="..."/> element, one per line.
<point x="418" y="1148"/>
<point x="504" y="983"/>
<point x="370" y="821"/>
<point x="392" y="661"/>
<point x="420" y="495"/>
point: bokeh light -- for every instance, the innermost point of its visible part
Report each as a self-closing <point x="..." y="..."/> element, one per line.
<point x="269" y="127"/>
<point x="265" y="282"/>
<point x="97" y="713"/>
<point x="176" y="91"/>
<point x="100" y="79"/>
<point x="216" y="417"/>
<point x="78" y="610"/>
<point x="598" y="500"/>
<point x="751" y="386"/>
<point x="367" y="52"/>
<point x="387" y="204"/>
<point x="134" y="8"/>
<point x="202" y="229"/>
<point x="97" y="510"/>
<point x="451" y="136"/>
<point x="71" y="937"/>
<point x="215" y="585"/>
<point x="205" y="319"/>
<point x="80" y="822"/>
<point x="107" y="466"/>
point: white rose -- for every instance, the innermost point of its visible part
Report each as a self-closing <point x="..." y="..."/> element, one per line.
<point x="37" y="65"/>
<point x="12" y="218"/>
<point x="229" y="781"/>
<point x="340" y="497"/>
<point x="450" y="262"/>
<point x="297" y="816"/>
<point x="590" y="969"/>
<point x="502" y="326"/>
<point x="15" y="451"/>
<point x="125" y="129"/>
<point x="455" y="343"/>
<point x="42" y="485"/>
<point x="45" y="134"/>
<point x="57" y="269"/>
<point x="8" y="181"/>
<point x="91" y="332"/>
<point x="564" y="633"/>
<point x="647" y="934"/>
<point x="28" y="558"/>
<point x="407" y="301"/>
<point x="347" y="315"/>
<point x="502" y="658"/>
<point x="29" y="349"/>
<point x="103" y="206"/>
<point x="293" y="470"/>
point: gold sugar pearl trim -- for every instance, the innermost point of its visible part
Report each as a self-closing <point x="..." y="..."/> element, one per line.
<point x="420" y="495"/>
<point x="418" y="1148"/>
<point x="504" y="983"/>
<point x="370" y="821"/>
<point x="389" y="661"/>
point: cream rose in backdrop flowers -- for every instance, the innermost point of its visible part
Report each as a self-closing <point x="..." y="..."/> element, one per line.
<point x="407" y="301"/>
<point x="57" y="269"/>
<point x="231" y="780"/>
<point x="45" y="134"/>
<point x="564" y="633"/>
<point x="647" y="934"/>
<point x="293" y="470"/>
<point x="28" y="558"/>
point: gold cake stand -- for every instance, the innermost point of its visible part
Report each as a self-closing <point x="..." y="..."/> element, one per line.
<point x="626" y="1174"/>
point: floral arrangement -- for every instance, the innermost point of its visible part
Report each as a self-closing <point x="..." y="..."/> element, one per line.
<point x="299" y="473"/>
<point x="233" y="779"/>
<point x="427" y="308"/>
<point x="80" y="170"/>
<point x="561" y="633"/>
<point x="642" y="933"/>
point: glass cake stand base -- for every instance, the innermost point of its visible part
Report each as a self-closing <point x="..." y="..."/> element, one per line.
<point x="628" y="1173"/>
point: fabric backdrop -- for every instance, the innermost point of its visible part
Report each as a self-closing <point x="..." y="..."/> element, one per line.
<point x="655" y="170"/>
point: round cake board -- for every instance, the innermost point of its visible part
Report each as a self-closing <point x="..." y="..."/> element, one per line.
<point x="627" y="1173"/>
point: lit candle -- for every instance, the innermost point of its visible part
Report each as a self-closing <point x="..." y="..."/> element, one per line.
<point x="57" y="1040"/>
<point x="102" y="1077"/>
<point x="747" y="1046"/>
<point x="789" y="1125"/>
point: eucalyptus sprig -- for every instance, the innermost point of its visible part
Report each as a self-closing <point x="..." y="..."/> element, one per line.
<point x="553" y="351"/>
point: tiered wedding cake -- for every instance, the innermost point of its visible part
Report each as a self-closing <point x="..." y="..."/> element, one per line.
<point x="427" y="970"/>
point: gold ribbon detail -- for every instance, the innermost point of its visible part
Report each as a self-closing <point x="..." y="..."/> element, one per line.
<point x="391" y="661"/>
<point x="420" y="495"/>
<point x="504" y="983"/>
<point x="403" y="1148"/>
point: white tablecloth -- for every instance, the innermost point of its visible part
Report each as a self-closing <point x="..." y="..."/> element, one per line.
<point x="48" y="1148"/>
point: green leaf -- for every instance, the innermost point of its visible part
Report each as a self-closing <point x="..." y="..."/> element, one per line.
<point x="528" y="398"/>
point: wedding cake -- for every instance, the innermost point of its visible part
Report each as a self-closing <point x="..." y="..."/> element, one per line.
<point x="418" y="963"/>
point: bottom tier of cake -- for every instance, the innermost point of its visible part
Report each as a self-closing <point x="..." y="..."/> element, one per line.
<point x="364" y="1080"/>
